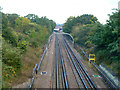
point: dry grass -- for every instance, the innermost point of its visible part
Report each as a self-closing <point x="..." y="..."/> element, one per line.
<point x="31" y="57"/>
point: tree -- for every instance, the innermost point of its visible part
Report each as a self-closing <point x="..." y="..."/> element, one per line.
<point x="32" y="17"/>
<point x="12" y="18"/>
<point x="86" y="19"/>
<point x="4" y="21"/>
<point x="21" y="23"/>
<point x="69" y="24"/>
<point x="79" y="20"/>
<point x="10" y="36"/>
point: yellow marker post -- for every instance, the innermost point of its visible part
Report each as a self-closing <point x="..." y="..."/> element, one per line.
<point x="91" y="57"/>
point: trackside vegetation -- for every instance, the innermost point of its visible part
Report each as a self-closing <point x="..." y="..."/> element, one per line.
<point x="22" y="37"/>
<point x="94" y="37"/>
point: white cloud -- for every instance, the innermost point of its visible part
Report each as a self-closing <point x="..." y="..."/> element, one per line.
<point x="60" y="10"/>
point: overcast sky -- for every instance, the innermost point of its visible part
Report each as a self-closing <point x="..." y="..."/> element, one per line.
<point x="60" y="10"/>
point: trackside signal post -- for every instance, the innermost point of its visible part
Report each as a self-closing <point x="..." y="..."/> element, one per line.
<point x="91" y="57"/>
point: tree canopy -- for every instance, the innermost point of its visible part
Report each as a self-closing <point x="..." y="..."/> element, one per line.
<point x="19" y="34"/>
<point x="79" y="20"/>
<point x="103" y="40"/>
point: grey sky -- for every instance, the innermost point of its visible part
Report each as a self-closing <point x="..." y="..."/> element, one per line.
<point x="60" y="10"/>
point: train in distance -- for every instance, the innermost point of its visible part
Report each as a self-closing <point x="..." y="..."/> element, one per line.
<point x="57" y="29"/>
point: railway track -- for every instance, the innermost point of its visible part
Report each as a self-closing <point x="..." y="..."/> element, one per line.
<point x="61" y="75"/>
<point x="111" y="83"/>
<point x="59" y="78"/>
<point x="65" y="69"/>
<point x="86" y="80"/>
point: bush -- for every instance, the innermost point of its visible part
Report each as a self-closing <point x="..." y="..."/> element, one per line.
<point x="8" y="71"/>
<point x="10" y="36"/>
<point x="11" y="56"/>
<point x="23" y="45"/>
<point x="34" y="43"/>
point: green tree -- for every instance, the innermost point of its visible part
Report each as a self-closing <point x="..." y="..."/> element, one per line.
<point x="79" y="20"/>
<point x="32" y="17"/>
<point x="10" y="36"/>
<point x="69" y="24"/>
<point x="4" y="21"/>
<point x="21" y="24"/>
<point x="12" y="18"/>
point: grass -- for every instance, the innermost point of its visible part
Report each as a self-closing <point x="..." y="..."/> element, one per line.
<point x="32" y="56"/>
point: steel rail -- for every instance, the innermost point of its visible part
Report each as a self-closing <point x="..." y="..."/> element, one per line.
<point x="52" y="77"/>
<point x="76" y="67"/>
<point x="67" y="34"/>
<point x="63" y="82"/>
<point x="84" y="74"/>
<point x="81" y="65"/>
<point x="72" y="67"/>
<point x="104" y="75"/>
<point x="42" y="58"/>
<point x="33" y="77"/>
<point x="46" y="45"/>
<point x="57" y="78"/>
<point x="63" y="67"/>
<point x="61" y="70"/>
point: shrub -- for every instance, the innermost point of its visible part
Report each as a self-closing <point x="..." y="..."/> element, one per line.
<point x="10" y="36"/>
<point x="23" y="45"/>
<point x="11" y="56"/>
<point x="8" y="71"/>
